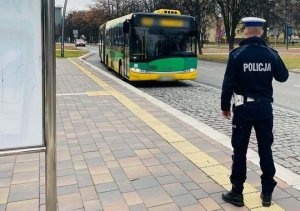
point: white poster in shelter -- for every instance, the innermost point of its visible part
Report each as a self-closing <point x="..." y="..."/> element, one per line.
<point x="21" y="102"/>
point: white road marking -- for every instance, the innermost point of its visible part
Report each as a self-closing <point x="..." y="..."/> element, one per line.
<point x="70" y="94"/>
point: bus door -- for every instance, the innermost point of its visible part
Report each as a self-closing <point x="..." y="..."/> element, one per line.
<point x="101" y="46"/>
<point x="126" y="29"/>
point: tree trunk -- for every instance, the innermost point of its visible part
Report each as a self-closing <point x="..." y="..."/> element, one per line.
<point x="202" y="40"/>
<point x="231" y="43"/>
<point x="199" y="45"/>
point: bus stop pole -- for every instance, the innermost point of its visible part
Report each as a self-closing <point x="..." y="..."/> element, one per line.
<point x="50" y="106"/>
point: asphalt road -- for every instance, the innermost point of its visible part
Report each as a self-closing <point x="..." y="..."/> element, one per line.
<point x="286" y="95"/>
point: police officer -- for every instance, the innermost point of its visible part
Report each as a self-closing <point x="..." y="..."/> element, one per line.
<point x="248" y="79"/>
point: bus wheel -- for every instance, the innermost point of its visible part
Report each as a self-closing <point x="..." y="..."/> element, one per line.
<point x="106" y="61"/>
<point x="121" y="71"/>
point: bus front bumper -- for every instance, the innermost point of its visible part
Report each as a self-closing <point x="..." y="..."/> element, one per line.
<point x="162" y="76"/>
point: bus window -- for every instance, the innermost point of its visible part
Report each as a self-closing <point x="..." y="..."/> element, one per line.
<point x="149" y="43"/>
<point x="154" y="43"/>
<point x="121" y="37"/>
<point x="107" y="38"/>
<point x="137" y="45"/>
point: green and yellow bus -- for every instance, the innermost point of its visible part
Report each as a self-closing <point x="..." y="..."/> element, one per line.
<point x="158" y="46"/>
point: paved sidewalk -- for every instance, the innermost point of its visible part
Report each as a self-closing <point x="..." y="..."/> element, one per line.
<point x="118" y="151"/>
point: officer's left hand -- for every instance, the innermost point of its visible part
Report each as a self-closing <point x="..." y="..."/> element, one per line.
<point x="226" y="114"/>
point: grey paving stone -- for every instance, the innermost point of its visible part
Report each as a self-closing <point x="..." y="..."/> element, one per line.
<point x="154" y="196"/>
<point x="138" y="207"/>
<point x="111" y="198"/>
<point x="191" y="186"/>
<point x="65" y="164"/>
<point x="94" y="161"/>
<point x="120" y="178"/>
<point x="65" y="172"/>
<point x="124" y="153"/>
<point x="7" y="159"/>
<point x="199" y="194"/>
<point x="20" y="192"/>
<point x="84" y="180"/>
<point x="145" y="182"/>
<point x="159" y="171"/>
<point x="66" y="190"/>
<point x="88" y="193"/>
<point x="280" y="194"/>
<point x="126" y="187"/>
<point x="186" y="165"/>
<point x="289" y="204"/>
<point x="82" y="172"/>
<point x="5" y="182"/>
<point x="293" y="192"/>
<point x="6" y="174"/>
<point x="217" y="197"/>
<point x="165" y="207"/>
<point x="175" y="189"/>
<point x="166" y="179"/>
<point x="183" y="178"/>
<point x="185" y="200"/>
<point x="70" y="202"/>
<point x="2" y="207"/>
<point x="93" y="205"/>
<point x="89" y="148"/>
<point x="105" y="187"/>
<point x="211" y="187"/>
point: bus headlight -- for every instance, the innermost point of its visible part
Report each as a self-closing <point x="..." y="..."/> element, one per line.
<point x="190" y="70"/>
<point x="137" y="70"/>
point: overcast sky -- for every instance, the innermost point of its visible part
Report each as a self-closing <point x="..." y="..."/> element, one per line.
<point x="75" y="4"/>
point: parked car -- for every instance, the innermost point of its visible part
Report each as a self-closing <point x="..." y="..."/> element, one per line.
<point x="79" y="42"/>
<point x="294" y="39"/>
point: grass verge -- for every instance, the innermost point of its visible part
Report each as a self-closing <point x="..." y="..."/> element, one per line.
<point x="70" y="54"/>
<point x="66" y="47"/>
<point x="292" y="62"/>
<point x="214" y="57"/>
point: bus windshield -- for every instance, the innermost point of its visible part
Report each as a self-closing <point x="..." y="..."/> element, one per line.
<point x="147" y="44"/>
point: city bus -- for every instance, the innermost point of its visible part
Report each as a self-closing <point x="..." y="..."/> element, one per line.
<point x="159" y="46"/>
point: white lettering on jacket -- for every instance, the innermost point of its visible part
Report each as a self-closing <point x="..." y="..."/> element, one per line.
<point x="257" y="67"/>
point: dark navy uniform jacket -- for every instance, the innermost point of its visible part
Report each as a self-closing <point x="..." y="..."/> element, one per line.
<point x="250" y="71"/>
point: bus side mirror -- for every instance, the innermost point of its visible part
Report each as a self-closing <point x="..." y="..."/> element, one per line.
<point x="126" y="27"/>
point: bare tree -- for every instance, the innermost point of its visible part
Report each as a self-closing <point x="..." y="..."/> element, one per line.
<point x="232" y="11"/>
<point x="203" y="11"/>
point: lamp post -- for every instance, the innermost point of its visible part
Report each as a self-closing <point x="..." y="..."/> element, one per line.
<point x="63" y="30"/>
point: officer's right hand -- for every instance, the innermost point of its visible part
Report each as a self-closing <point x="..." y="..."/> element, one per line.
<point x="226" y="114"/>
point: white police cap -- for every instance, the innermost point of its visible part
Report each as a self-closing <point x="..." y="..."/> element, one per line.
<point x="253" y="22"/>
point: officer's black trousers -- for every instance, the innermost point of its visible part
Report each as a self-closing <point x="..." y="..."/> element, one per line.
<point x="260" y="116"/>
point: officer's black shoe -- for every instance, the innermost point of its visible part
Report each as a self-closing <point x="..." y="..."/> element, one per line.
<point x="266" y="199"/>
<point x="233" y="198"/>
